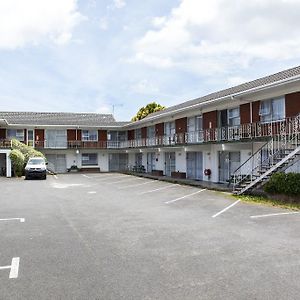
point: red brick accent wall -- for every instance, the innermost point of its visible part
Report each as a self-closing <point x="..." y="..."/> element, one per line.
<point x="39" y="135"/>
<point x="71" y="134"/>
<point x="292" y="104"/>
<point x="79" y="135"/>
<point x="144" y="132"/>
<point x="2" y="133"/>
<point x="102" y="135"/>
<point x="130" y="135"/>
<point x="245" y="113"/>
<point x="181" y="125"/>
<point x="159" y="129"/>
<point x="255" y="111"/>
<point x="210" y="119"/>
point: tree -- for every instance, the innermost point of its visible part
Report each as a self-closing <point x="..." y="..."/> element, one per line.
<point x="146" y="110"/>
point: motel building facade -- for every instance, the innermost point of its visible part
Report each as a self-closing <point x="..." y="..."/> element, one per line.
<point x="240" y="135"/>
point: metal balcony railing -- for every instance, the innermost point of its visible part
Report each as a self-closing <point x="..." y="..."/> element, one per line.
<point x="241" y="132"/>
<point x="5" y="144"/>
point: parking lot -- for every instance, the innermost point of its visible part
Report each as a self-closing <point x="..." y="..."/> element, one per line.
<point x="115" y="236"/>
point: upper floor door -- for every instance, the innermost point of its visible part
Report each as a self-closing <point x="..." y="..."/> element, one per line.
<point x="56" y="139"/>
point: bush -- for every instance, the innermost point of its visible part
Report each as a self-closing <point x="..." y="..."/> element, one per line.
<point x="284" y="183"/>
<point x="18" y="161"/>
<point x="27" y="151"/>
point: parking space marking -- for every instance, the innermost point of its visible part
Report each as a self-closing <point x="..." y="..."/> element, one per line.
<point x="124" y="180"/>
<point x="92" y="192"/>
<point x="226" y="208"/>
<point x="186" y="196"/>
<point x="159" y="189"/>
<point x="55" y="176"/>
<point x="134" y="185"/>
<point x="14" y="268"/>
<point x="22" y="220"/>
<point x="86" y="176"/>
<point x="273" y="215"/>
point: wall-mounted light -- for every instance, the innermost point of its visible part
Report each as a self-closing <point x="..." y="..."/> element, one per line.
<point x="77" y="151"/>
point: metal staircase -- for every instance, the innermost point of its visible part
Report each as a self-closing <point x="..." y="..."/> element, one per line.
<point x="277" y="155"/>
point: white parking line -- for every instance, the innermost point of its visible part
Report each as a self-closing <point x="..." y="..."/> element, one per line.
<point x="86" y="176"/>
<point x="14" y="268"/>
<point x="105" y="178"/>
<point x="124" y="180"/>
<point x="134" y="185"/>
<point x="92" y="192"/>
<point x="226" y="208"/>
<point x="186" y="196"/>
<point x="273" y="215"/>
<point x="159" y="189"/>
<point x="22" y="220"/>
<point x="55" y="176"/>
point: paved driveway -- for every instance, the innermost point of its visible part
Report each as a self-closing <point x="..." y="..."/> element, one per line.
<point x="114" y="236"/>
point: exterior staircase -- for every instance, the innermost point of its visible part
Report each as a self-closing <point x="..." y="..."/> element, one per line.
<point x="277" y="155"/>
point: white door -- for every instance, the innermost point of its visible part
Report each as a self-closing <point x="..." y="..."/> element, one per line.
<point x="57" y="162"/>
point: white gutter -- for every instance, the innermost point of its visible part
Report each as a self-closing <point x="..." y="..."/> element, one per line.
<point x="63" y="126"/>
<point x="261" y="88"/>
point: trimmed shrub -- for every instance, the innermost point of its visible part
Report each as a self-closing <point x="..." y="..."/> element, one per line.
<point x="26" y="150"/>
<point x="18" y="160"/>
<point x="284" y="183"/>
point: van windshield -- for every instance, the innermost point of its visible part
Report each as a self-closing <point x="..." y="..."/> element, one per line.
<point x="36" y="161"/>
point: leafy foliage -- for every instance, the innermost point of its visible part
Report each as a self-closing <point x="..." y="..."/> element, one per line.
<point x="18" y="160"/>
<point x="27" y="151"/>
<point x="146" y="110"/>
<point x="284" y="183"/>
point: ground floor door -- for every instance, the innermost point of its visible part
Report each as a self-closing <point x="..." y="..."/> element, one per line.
<point x="139" y="159"/>
<point x="2" y="164"/>
<point x="151" y="162"/>
<point x="228" y="163"/>
<point x="118" y="162"/>
<point x="57" y="162"/>
<point x="170" y="163"/>
<point x="194" y="165"/>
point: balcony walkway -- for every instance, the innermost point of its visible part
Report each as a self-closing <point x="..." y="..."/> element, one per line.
<point x="222" y="187"/>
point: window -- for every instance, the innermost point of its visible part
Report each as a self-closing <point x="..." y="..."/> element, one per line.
<point x="170" y="128"/>
<point x="272" y="110"/>
<point x="194" y="124"/>
<point x="15" y="134"/>
<point x="138" y="133"/>
<point x="89" y="159"/>
<point x="89" y="135"/>
<point x="234" y="117"/>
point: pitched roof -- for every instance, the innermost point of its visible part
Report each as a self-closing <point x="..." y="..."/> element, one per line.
<point x="261" y="82"/>
<point x="60" y="118"/>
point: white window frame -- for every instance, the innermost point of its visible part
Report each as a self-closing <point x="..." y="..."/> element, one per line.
<point x="267" y="115"/>
<point x="86" y="135"/>
<point x="232" y="117"/>
<point x="85" y="158"/>
<point x="19" y="134"/>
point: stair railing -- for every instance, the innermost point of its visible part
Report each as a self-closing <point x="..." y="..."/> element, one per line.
<point x="287" y="135"/>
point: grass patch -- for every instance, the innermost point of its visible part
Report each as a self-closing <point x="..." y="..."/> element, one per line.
<point x="268" y="202"/>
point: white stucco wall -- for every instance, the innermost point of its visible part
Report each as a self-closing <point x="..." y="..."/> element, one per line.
<point x="180" y="161"/>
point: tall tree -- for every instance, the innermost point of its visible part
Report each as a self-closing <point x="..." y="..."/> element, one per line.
<point x="146" y="110"/>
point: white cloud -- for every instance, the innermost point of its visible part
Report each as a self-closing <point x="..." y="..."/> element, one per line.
<point x="144" y="87"/>
<point x="221" y="35"/>
<point x="103" y="23"/>
<point x="119" y="3"/>
<point x="34" y="21"/>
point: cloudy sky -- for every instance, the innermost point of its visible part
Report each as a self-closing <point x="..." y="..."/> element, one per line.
<point x="91" y="55"/>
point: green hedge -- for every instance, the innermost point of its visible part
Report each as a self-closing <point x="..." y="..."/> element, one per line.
<point x="284" y="183"/>
<point x="26" y="150"/>
<point x="18" y="160"/>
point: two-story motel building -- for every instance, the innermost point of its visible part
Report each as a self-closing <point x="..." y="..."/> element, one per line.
<point x="212" y="135"/>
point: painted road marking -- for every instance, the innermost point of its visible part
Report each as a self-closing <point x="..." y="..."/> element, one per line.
<point x="105" y="178"/>
<point x="159" y="189"/>
<point x="22" y="220"/>
<point x="226" y="208"/>
<point x="124" y="180"/>
<point x="133" y="185"/>
<point x="55" y="176"/>
<point x="92" y="192"/>
<point x="186" y="196"/>
<point x="85" y="176"/>
<point x="14" y="268"/>
<point x="273" y="215"/>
